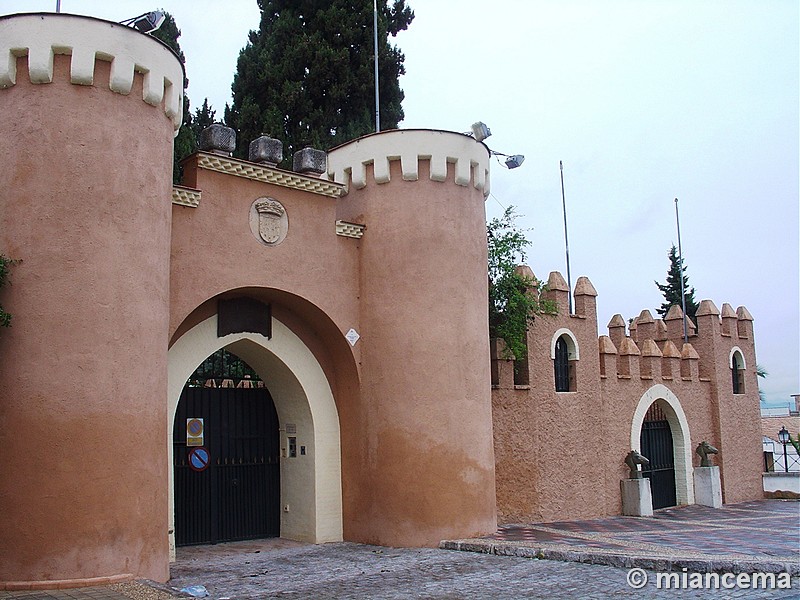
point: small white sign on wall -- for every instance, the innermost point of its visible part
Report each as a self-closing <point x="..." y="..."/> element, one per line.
<point x="352" y="336"/>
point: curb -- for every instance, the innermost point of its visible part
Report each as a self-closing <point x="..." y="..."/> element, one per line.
<point x="63" y="584"/>
<point x="627" y="561"/>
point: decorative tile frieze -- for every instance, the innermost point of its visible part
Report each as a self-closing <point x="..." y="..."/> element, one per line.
<point x="238" y="168"/>
<point x="184" y="196"/>
<point x="351" y="230"/>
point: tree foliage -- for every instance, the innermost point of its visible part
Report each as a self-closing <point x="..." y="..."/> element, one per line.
<point x="222" y="365"/>
<point x="672" y="288"/>
<point x="185" y="142"/>
<point x="203" y="117"/>
<point x="762" y="373"/>
<point x="306" y="76"/>
<point x="514" y="298"/>
<point x="5" y="263"/>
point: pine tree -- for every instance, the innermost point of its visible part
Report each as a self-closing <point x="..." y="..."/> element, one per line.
<point x="672" y="288"/>
<point x="185" y="142"/>
<point x="306" y="76"/>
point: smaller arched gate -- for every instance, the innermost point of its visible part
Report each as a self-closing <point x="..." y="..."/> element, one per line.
<point x="657" y="446"/>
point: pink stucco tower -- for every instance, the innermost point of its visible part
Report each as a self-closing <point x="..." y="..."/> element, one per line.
<point x="425" y="391"/>
<point x="89" y="112"/>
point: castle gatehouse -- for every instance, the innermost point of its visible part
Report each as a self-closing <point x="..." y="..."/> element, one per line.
<point x="372" y="410"/>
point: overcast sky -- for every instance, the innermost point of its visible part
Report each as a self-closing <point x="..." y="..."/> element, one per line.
<point x="643" y="101"/>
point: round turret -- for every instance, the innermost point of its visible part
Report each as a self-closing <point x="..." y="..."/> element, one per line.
<point x="89" y="110"/>
<point x="425" y="339"/>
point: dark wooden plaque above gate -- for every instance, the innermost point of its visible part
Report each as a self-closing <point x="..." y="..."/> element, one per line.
<point x="243" y="315"/>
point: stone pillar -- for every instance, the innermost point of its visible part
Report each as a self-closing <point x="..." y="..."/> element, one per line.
<point x="86" y="140"/>
<point x="707" y="486"/>
<point x="425" y="468"/>
<point x="637" y="500"/>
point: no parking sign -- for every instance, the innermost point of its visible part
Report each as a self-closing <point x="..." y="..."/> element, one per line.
<point x="199" y="459"/>
<point x="194" y="431"/>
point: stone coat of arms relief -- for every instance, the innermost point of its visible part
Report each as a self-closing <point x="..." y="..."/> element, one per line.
<point x="269" y="222"/>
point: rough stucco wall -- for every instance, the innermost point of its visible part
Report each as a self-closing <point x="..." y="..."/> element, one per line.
<point x="738" y="415"/>
<point x="547" y="443"/>
<point x="85" y="206"/>
<point x="560" y="456"/>
<point x="214" y="251"/>
<point x="424" y="464"/>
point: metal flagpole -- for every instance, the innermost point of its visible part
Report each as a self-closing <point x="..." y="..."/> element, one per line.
<point x="566" y="238"/>
<point x="680" y="265"/>
<point x="58" y="6"/>
<point x="377" y="95"/>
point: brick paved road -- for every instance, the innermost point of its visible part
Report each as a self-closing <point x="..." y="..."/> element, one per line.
<point x="347" y="570"/>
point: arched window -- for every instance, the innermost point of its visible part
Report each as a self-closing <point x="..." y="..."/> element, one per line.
<point x="562" y="366"/>
<point x="564" y="352"/>
<point x="737" y="372"/>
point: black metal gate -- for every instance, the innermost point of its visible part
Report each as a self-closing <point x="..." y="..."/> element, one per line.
<point x="656" y="443"/>
<point x="237" y="496"/>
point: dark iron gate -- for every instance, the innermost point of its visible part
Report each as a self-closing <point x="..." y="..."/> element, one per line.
<point x="238" y="496"/>
<point x="656" y="444"/>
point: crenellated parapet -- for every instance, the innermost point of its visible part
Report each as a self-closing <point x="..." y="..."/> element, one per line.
<point x="39" y="37"/>
<point x="645" y="348"/>
<point x="452" y="156"/>
<point x="655" y="348"/>
<point x="557" y="291"/>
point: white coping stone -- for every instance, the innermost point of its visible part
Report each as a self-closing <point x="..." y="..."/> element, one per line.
<point x="86" y="39"/>
<point x="782" y="481"/>
<point x="347" y="164"/>
<point x="637" y="500"/>
<point x="708" y="486"/>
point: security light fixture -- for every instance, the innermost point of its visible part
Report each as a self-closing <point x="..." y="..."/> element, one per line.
<point x="480" y="131"/>
<point x="512" y="160"/>
<point x="146" y="23"/>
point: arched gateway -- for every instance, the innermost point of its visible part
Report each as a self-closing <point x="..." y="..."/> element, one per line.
<point x="666" y="416"/>
<point x="310" y="484"/>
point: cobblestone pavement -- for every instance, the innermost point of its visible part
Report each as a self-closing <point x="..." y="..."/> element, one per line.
<point x="762" y="535"/>
<point x="132" y="590"/>
<point x="762" y="532"/>
<point x="347" y="570"/>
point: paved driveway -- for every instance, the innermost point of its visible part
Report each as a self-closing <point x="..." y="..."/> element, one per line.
<point x="346" y="570"/>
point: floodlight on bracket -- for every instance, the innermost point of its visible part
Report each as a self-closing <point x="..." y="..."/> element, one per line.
<point x="512" y="160"/>
<point x="147" y="22"/>
<point x="480" y="131"/>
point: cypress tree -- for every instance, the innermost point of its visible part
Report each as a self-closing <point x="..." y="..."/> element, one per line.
<point x="306" y="76"/>
<point x="672" y="288"/>
<point x="203" y="117"/>
<point x="185" y="142"/>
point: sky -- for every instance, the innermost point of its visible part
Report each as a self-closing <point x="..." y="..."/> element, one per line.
<point x="643" y="101"/>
